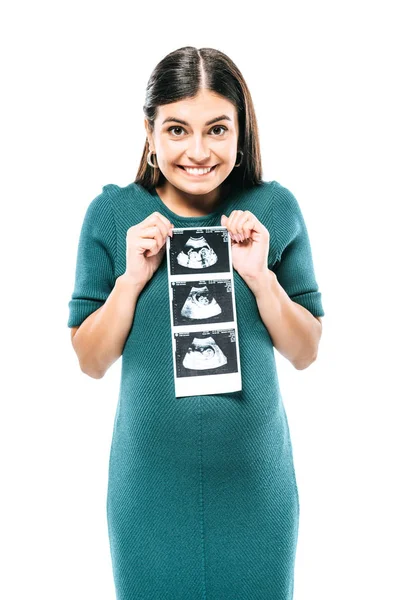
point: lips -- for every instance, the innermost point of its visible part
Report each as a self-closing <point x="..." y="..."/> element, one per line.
<point x="183" y="167"/>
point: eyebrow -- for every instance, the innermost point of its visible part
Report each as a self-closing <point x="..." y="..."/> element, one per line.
<point x="221" y="118"/>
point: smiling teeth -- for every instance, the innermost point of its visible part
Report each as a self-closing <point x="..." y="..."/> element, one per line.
<point x="197" y="171"/>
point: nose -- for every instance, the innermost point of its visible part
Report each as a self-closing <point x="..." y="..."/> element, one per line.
<point x="197" y="151"/>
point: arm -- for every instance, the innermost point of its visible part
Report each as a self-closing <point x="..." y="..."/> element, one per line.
<point x="102" y="306"/>
<point x="295" y="331"/>
<point x="288" y="297"/>
<point x="99" y="341"/>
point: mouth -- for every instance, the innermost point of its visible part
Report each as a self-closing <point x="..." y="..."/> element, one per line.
<point x="198" y="175"/>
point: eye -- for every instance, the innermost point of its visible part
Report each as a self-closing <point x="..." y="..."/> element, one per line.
<point x="215" y="127"/>
<point x="221" y="127"/>
<point x="176" y="127"/>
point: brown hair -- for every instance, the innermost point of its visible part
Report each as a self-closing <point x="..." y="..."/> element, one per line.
<point x="180" y="75"/>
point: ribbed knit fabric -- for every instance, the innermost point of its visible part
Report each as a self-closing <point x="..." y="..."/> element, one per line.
<point x="202" y="499"/>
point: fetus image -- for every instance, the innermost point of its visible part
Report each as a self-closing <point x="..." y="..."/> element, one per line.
<point x="200" y="304"/>
<point x="204" y="354"/>
<point x="197" y="254"/>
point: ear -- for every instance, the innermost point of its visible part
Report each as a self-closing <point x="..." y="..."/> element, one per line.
<point x="146" y="126"/>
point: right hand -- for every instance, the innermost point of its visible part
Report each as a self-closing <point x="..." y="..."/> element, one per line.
<point x="145" y="247"/>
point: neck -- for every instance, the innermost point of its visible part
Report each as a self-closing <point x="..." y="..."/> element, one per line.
<point x="191" y="204"/>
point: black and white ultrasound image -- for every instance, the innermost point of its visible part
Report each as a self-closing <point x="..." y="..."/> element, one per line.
<point x="199" y="251"/>
<point x="208" y="352"/>
<point x="202" y="301"/>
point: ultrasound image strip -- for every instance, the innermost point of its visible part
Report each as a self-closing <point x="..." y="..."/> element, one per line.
<point x="205" y="347"/>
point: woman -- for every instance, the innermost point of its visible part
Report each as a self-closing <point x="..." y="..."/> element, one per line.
<point x="202" y="498"/>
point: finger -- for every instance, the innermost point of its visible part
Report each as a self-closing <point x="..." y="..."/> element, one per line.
<point x="236" y="225"/>
<point x="154" y="251"/>
<point x="248" y="224"/>
<point x="240" y="218"/>
<point x="161" y="225"/>
<point x="229" y="225"/>
<point x="165" y="225"/>
<point x="234" y="219"/>
<point x="161" y="217"/>
<point x="163" y="222"/>
<point x="146" y="246"/>
<point x="153" y="232"/>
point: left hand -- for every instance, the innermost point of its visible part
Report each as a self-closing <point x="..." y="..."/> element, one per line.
<point x="251" y="246"/>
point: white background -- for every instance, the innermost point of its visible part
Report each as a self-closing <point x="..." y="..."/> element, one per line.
<point x="324" y="81"/>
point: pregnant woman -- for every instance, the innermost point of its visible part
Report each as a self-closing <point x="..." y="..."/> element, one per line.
<point x="202" y="499"/>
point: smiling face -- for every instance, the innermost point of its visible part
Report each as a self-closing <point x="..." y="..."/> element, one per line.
<point x="195" y="132"/>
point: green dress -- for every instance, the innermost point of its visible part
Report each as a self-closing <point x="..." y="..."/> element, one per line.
<point x="202" y="500"/>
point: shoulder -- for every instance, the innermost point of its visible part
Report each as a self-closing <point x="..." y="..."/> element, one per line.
<point x="117" y="192"/>
<point x="129" y="201"/>
<point x="99" y="210"/>
<point x="110" y="201"/>
<point x="258" y="199"/>
<point x="269" y="197"/>
<point x="273" y="203"/>
<point x="285" y="202"/>
<point x="99" y="219"/>
<point x="262" y="191"/>
<point x="288" y="216"/>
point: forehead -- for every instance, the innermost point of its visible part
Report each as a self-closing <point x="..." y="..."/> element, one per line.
<point x="199" y="110"/>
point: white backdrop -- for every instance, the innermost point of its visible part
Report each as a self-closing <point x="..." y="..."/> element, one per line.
<point x="324" y="80"/>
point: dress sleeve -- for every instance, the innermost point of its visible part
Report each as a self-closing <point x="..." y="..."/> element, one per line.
<point x="95" y="263"/>
<point x="294" y="265"/>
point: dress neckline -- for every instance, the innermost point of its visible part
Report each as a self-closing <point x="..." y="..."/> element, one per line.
<point x="195" y="219"/>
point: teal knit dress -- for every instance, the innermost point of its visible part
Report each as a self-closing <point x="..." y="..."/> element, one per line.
<point x="202" y="500"/>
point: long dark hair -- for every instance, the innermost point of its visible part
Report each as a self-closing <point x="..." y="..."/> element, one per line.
<point x="180" y="75"/>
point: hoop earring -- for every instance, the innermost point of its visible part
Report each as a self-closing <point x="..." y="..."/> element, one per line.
<point x="241" y="160"/>
<point x="149" y="160"/>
